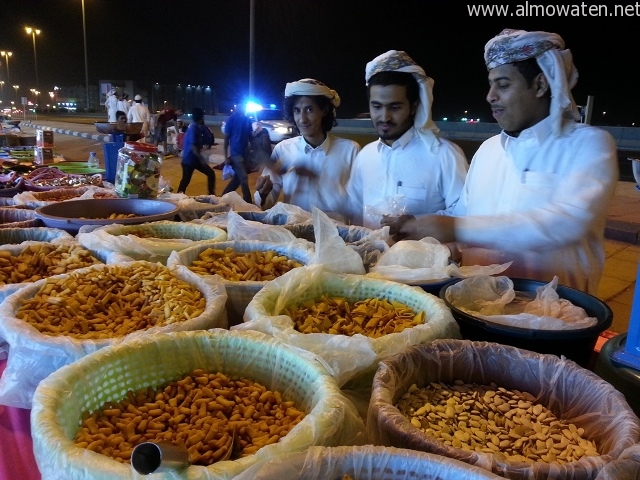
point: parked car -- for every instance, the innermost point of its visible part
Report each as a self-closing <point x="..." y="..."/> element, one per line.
<point x="271" y="119"/>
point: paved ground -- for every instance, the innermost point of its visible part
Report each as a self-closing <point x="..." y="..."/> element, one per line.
<point x="74" y="141"/>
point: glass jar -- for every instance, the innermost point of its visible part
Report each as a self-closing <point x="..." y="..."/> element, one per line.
<point x="138" y="171"/>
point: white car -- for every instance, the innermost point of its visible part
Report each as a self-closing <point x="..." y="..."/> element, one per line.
<point x="271" y="119"/>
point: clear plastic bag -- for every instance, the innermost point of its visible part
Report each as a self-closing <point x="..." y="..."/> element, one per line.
<point x="227" y="172"/>
<point x="495" y="300"/>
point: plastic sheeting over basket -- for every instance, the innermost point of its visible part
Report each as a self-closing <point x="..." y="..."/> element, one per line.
<point x="152" y="361"/>
<point x="153" y="241"/>
<point x="35" y="199"/>
<point x="571" y="392"/>
<point x="367" y="462"/>
<point x="240" y="293"/>
<point x="299" y="222"/>
<point x="15" y="236"/>
<point x="12" y="217"/>
<point x="346" y="356"/>
<point x="34" y="355"/>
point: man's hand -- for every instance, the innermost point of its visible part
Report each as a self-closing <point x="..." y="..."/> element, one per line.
<point x="264" y="185"/>
<point x="395" y="224"/>
<point x="408" y="227"/>
<point x="304" y="172"/>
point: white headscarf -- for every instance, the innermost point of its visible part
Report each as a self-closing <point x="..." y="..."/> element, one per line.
<point x="399" y="61"/>
<point x="309" y="87"/>
<point x="554" y="60"/>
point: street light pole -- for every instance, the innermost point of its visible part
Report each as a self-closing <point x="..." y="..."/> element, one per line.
<point x="86" y="63"/>
<point x="33" y="32"/>
<point x="6" y="56"/>
<point x="252" y="28"/>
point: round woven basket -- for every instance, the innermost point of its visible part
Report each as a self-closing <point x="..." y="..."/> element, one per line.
<point x="571" y="392"/>
<point x="17" y="235"/>
<point x="348" y="356"/>
<point x="240" y="293"/>
<point x="153" y="241"/>
<point x="34" y="355"/>
<point x="108" y="374"/>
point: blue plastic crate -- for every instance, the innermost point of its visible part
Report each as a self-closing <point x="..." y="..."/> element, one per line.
<point x="111" y="160"/>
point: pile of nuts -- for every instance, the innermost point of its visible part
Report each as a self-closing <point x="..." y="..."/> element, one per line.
<point x="494" y="420"/>
<point x="111" y="302"/>
<point x="372" y="317"/>
<point x="114" y="216"/>
<point x="241" y="267"/>
<point x="203" y="412"/>
<point x="43" y="260"/>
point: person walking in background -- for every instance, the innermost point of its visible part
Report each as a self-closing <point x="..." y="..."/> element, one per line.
<point x="181" y="128"/>
<point x="111" y="105"/>
<point x="260" y="148"/>
<point x="537" y="193"/>
<point x="139" y="113"/>
<point x="237" y="134"/>
<point x="123" y="129"/>
<point x="197" y="135"/>
<point x="410" y="169"/>
<point x="313" y="168"/>
<point x="123" y="103"/>
<point x="166" y="116"/>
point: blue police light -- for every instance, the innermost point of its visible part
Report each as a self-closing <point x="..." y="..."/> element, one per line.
<point x="251" y="107"/>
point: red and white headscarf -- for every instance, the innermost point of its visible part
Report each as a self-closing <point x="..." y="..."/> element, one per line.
<point x="399" y="61"/>
<point x="555" y="61"/>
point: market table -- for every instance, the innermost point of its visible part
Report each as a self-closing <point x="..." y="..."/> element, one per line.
<point x="16" y="450"/>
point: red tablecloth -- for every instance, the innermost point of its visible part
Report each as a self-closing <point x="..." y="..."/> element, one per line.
<point x="16" y="449"/>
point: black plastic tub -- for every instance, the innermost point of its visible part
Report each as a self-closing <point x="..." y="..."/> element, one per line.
<point x="576" y="345"/>
<point x="625" y="379"/>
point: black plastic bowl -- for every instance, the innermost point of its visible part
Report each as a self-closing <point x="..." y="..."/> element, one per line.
<point x="70" y="215"/>
<point x="576" y="345"/>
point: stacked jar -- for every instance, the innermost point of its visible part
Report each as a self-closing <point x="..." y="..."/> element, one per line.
<point x="138" y="171"/>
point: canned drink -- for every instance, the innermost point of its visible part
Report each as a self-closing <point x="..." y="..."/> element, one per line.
<point x="150" y="457"/>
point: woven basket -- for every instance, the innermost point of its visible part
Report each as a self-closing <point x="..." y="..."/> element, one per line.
<point x="368" y="462"/>
<point x="157" y="242"/>
<point x="197" y="207"/>
<point x="11" y="217"/>
<point x="17" y="235"/>
<point x="348" y="356"/>
<point x="33" y="355"/>
<point x="16" y="249"/>
<point x="38" y="197"/>
<point x="349" y="233"/>
<point x="571" y="392"/>
<point x="107" y="375"/>
<point x="241" y="293"/>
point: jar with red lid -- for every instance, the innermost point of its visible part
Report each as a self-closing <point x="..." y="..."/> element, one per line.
<point x="138" y="170"/>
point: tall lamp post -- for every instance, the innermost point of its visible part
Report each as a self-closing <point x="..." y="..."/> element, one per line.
<point x="86" y="64"/>
<point x="2" y="89"/>
<point x="33" y="32"/>
<point x="16" y="87"/>
<point x="6" y="56"/>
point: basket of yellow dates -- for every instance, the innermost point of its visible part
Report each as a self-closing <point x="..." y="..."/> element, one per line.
<point x="60" y="319"/>
<point x="350" y="321"/>
<point x="517" y="413"/>
<point x="244" y="266"/>
<point x="207" y="392"/>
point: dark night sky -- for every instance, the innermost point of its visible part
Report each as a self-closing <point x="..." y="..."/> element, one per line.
<point x="206" y="42"/>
